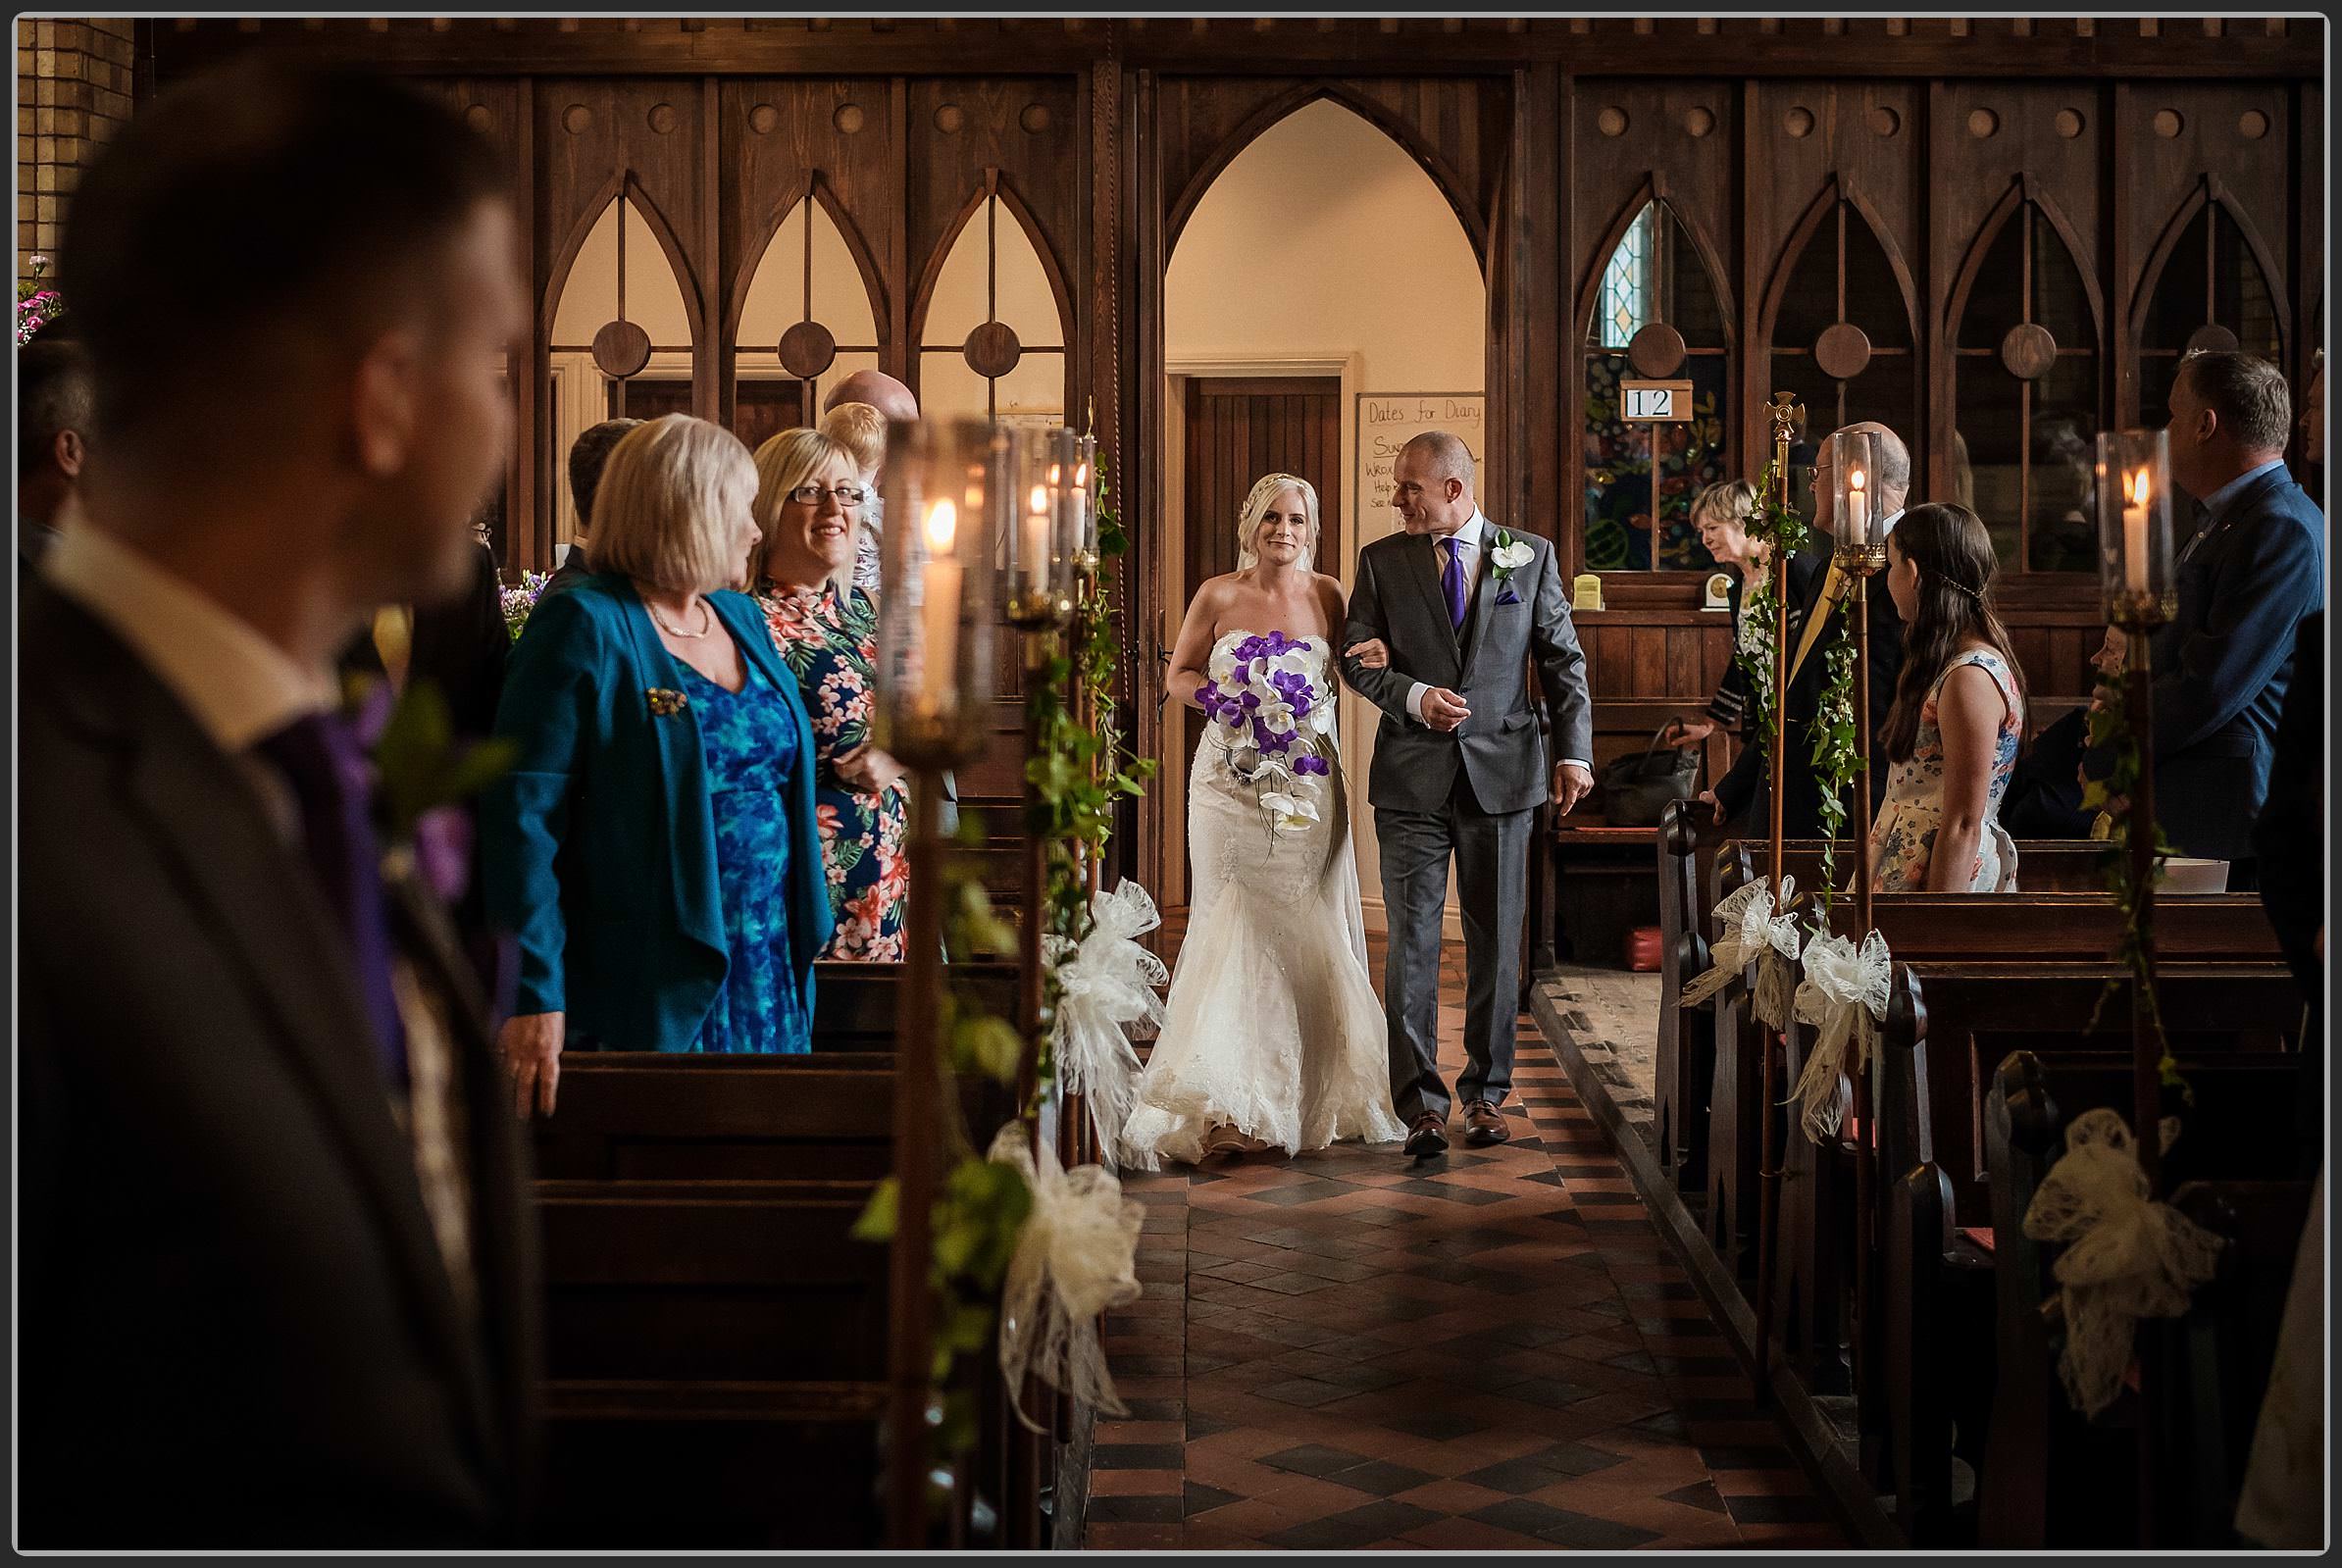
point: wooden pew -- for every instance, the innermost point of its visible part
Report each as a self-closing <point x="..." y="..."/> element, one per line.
<point x="2215" y="1362"/>
<point x="716" y="1339"/>
<point x="2051" y="1479"/>
<point x="1934" y="1277"/>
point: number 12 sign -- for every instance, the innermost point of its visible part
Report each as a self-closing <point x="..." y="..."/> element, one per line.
<point x="1654" y="402"/>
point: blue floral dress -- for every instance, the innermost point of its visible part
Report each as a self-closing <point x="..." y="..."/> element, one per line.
<point x="751" y="750"/>
<point x="831" y="643"/>
<point x="1903" y="839"/>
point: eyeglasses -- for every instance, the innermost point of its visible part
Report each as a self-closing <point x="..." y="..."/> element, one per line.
<point x="811" y="494"/>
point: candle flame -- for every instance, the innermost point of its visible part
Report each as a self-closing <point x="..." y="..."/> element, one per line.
<point x="1856" y="479"/>
<point x="1041" y="500"/>
<point x="1056" y="473"/>
<point x="942" y="523"/>
<point x="2139" y="487"/>
<point x="1082" y="477"/>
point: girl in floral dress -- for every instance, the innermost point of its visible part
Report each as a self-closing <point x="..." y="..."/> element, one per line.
<point x="1959" y="714"/>
<point x="809" y="496"/>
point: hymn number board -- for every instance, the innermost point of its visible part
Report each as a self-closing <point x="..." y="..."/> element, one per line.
<point x="1654" y="402"/>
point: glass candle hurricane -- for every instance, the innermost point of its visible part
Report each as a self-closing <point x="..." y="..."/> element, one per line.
<point x="2135" y="568"/>
<point x="1038" y="582"/>
<point x="1858" y="540"/>
<point x="947" y="485"/>
<point x="1082" y="497"/>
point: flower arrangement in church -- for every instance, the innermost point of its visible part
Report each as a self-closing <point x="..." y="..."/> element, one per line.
<point x="1276" y="717"/>
<point x="520" y="600"/>
<point x="38" y="305"/>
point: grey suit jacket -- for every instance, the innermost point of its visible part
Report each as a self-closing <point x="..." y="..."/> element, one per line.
<point x="1397" y="598"/>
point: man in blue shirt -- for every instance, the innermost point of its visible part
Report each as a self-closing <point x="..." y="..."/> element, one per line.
<point x="2253" y="569"/>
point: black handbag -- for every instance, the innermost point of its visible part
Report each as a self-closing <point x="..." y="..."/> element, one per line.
<point x="1636" y="788"/>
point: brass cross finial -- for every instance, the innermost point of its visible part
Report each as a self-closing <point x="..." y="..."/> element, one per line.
<point x="1786" y="415"/>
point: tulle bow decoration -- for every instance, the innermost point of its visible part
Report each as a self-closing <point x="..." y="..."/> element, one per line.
<point x="1845" y="994"/>
<point x="1754" y="929"/>
<point x="2127" y="1259"/>
<point x="1107" y="992"/>
<point x="1077" y="1256"/>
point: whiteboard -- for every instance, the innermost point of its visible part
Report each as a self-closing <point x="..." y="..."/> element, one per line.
<point x="1387" y="421"/>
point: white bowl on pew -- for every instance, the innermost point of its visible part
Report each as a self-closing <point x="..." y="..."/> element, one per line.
<point x="2183" y="875"/>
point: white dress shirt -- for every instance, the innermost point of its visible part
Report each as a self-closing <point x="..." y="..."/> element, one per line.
<point x="1469" y="540"/>
<point x="240" y="690"/>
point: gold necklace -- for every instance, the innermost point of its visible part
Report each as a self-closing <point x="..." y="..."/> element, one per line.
<point x="707" y="615"/>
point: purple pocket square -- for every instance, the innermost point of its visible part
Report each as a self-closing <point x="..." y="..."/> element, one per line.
<point x="1508" y="597"/>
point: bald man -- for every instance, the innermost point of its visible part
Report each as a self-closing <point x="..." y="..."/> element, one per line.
<point x="877" y="388"/>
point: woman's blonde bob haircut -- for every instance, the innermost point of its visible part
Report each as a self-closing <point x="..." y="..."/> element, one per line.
<point x="1256" y="505"/>
<point x="784" y="461"/>
<point x="669" y="510"/>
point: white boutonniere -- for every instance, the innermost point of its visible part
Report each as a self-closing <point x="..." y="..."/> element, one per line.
<point x="1509" y="557"/>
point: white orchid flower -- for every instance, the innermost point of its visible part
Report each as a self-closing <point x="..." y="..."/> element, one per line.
<point x="1288" y="811"/>
<point x="1512" y="555"/>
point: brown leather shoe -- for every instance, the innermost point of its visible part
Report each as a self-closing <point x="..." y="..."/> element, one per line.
<point x="1427" y="1136"/>
<point x="1484" y="1124"/>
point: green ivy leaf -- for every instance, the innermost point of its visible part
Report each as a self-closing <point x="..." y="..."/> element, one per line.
<point x="877" y="1223"/>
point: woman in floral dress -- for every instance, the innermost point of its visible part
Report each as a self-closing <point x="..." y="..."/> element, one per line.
<point x="809" y="501"/>
<point x="1959" y="714"/>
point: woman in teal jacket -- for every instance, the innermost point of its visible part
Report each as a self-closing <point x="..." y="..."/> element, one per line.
<point x="653" y="848"/>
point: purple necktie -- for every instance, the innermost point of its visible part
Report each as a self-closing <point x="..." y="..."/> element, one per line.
<point x="1452" y="582"/>
<point x="327" y="767"/>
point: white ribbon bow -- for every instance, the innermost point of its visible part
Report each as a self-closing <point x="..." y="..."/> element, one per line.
<point x="1105" y="986"/>
<point x="1845" y="993"/>
<point x="1076" y="1257"/>
<point x="2127" y="1259"/>
<point x="1753" y="930"/>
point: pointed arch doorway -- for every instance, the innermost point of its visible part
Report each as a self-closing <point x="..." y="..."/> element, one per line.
<point x="1321" y="257"/>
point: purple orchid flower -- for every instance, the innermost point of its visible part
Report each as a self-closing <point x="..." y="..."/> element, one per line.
<point x="1311" y="764"/>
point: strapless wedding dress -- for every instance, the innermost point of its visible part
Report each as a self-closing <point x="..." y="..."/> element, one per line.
<point x="1272" y="1027"/>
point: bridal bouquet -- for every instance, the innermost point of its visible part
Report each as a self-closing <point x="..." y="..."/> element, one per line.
<point x="1269" y="698"/>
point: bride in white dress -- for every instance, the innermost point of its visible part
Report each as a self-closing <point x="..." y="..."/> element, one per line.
<point x="1274" y="1036"/>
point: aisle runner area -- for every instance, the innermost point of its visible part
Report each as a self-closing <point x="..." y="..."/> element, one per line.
<point x="1493" y="1350"/>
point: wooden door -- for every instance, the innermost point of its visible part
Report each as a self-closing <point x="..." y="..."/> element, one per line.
<point x="1238" y="429"/>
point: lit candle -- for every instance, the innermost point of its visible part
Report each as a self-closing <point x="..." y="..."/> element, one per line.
<point x="1081" y="507"/>
<point x="1856" y="534"/>
<point x="938" y="581"/>
<point x="1035" y="557"/>
<point x="2134" y="532"/>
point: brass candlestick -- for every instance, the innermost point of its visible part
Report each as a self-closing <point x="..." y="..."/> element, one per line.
<point x="1786" y="413"/>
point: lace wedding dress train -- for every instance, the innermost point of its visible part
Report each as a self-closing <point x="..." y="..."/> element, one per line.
<point x="1273" y="1027"/>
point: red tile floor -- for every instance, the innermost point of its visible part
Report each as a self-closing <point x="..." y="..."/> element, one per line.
<point x="1493" y="1350"/>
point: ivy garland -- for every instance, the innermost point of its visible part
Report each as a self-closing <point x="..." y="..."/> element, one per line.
<point x="1079" y="772"/>
<point x="2111" y="729"/>
<point x="1783" y="532"/>
<point x="1834" y="757"/>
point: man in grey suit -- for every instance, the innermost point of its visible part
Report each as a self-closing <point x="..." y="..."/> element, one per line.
<point x="1463" y="607"/>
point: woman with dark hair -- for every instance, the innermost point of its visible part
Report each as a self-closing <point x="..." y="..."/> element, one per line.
<point x="1959" y="715"/>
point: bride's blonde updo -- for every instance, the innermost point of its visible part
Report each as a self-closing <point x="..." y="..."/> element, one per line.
<point x="1256" y="505"/>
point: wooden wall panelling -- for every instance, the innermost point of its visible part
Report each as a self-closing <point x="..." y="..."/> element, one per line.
<point x="2307" y="262"/>
<point x="2175" y="144"/>
<point x="778" y="135"/>
<point x="592" y="135"/>
<point x="1636" y="141"/>
<point x="1990" y="143"/>
<point x="960" y="130"/>
<point x="1872" y="158"/>
<point x="1915" y="48"/>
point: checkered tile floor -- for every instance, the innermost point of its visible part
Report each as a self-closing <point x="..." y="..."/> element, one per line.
<point x="1493" y="1350"/>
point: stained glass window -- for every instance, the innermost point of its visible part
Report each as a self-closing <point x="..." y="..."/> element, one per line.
<point x="1627" y="286"/>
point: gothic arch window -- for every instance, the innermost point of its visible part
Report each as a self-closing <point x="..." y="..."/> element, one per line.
<point x="805" y="322"/>
<point x="992" y="338"/>
<point x="1657" y="314"/>
<point x="2027" y="396"/>
<point x="621" y="339"/>
<point x="2212" y="293"/>
<point x="1841" y="338"/>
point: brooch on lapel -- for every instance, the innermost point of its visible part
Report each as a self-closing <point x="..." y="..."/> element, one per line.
<point x="665" y="704"/>
<point x="1509" y="556"/>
